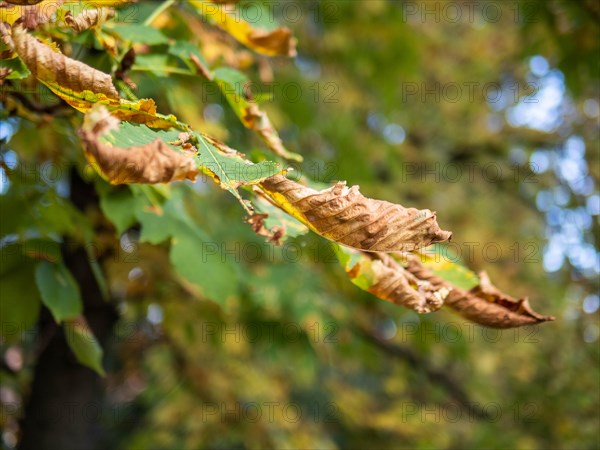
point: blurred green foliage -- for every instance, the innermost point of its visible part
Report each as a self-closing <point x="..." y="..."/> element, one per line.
<point x="225" y="341"/>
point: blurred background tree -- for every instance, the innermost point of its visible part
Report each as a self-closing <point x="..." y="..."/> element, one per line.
<point x="486" y="112"/>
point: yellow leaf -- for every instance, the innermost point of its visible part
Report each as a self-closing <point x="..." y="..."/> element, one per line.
<point x="277" y="42"/>
<point x="33" y="12"/>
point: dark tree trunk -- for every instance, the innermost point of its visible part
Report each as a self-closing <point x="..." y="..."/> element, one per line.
<point x="65" y="408"/>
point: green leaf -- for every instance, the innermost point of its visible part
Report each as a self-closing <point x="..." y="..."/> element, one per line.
<point x="195" y="256"/>
<point x="19" y="297"/>
<point x="120" y="206"/>
<point x="18" y="69"/>
<point x="277" y="218"/>
<point x="232" y="82"/>
<point x="154" y="226"/>
<point x="351" y="259"/>
<point x="183" y="50"/>
<point x="42" y="249"/>
<point x="84" y="345"/>
<point x="97" y="270"/>
<point x="160" y="65"/>
<point x="59" y="290"/>
<point x="453" y="272"/>
<point x="10" y="203"/>
<point x="233" y="79"/>
<point x="230" y="170"/>
<point x="131" y="135"/>
<point x="258" y="15"/>
<point x="140" y="33"/>
<point x="56" y="215"/>
<point x="223" y="165"/>
<point x="200" y="260"/>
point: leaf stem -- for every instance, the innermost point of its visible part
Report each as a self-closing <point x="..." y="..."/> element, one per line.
<point x="164" y="69"/>
<point x="158" y="11"/>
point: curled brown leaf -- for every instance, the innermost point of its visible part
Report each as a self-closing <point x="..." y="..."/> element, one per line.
<point x="392" y="282"/>
<point x="5" y="33"/>
<point x="271" y="221"/>
<point x="345" y="216"/>
<point x="52" y="67"/>
<point x="484" y="304"/>
<point x="277" y="42"/>
<point x="257" y="120"/>
<point x="257" y="222"/>
<point x="88" y="18"/>
<point x="151" y="163"/>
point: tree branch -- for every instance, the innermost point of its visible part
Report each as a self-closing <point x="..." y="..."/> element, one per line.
<point x="435" y="375"/>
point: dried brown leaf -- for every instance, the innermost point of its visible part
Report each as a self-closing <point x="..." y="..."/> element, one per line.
<point x="88" y="18"/>
<point x="151" y="163"/>
<point x="384" y="277"/>
<point x="5" y="33"/>
<point x="257" y="222"/>
<point x="276" y="42"/>
<point x="55" y="68"/>
<point x="82" y="86"/>
<point x="345" y="216"/>
<point x="274" y="223"/>
<point x="257" y="120"/>
<point x="23" y="2"/>
<point x="484" y="304"/>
